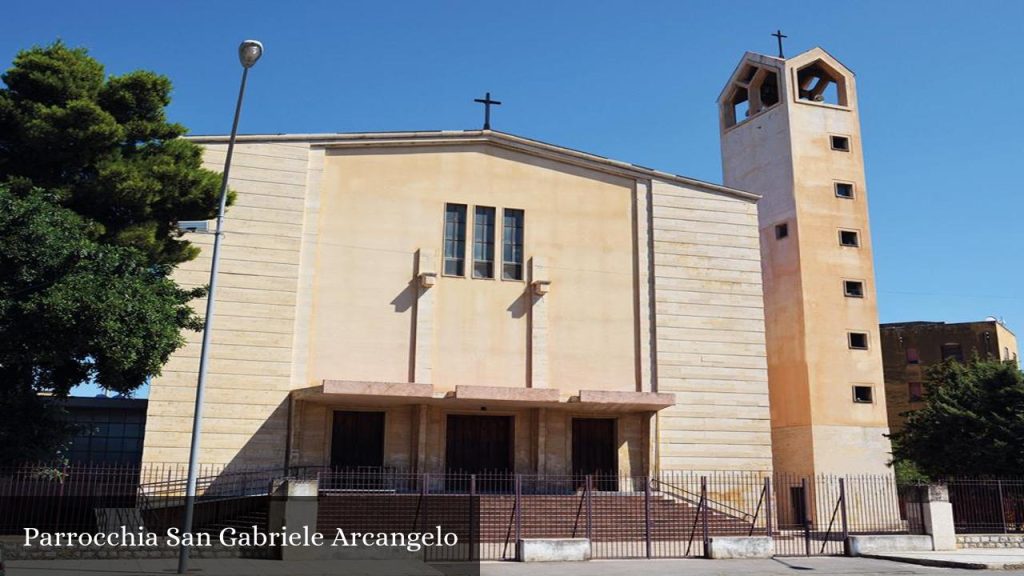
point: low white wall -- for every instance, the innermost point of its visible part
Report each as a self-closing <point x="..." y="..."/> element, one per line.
<point x="554" y="549"/>
<point x="741" y="547"/>
<point x="867" y="545"/>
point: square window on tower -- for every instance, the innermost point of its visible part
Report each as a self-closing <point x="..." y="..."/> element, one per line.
<point x="844" y="190"/>
<point x="781" y="231"/>
<point x="853" y="288"/>
<point x="840" y="143"/>
<point x="849" y="238"/>
<point x="858" y="340"/>
<point x="863" y="395"/>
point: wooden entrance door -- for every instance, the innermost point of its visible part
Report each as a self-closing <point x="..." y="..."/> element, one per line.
<point x="594" y="452"/>
<point x="479" y="445"/>
<point x="357" y="440"/>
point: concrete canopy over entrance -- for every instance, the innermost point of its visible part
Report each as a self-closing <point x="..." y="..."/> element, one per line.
<point x="416" y="419"/>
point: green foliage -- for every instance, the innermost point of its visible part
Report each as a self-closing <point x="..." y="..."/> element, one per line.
<point x="104" y="148"/>
<point x="73" y="309"/>
<point x="972" y="422"/>
<point x="93" y="180"/>
<point x="907" y="472"/>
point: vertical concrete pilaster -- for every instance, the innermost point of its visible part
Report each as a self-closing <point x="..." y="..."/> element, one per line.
<point x="419" y="437"/>
<point x="293" y="506"/>
<point x="938" y="517"/>
<point x="423" y="352"/>
<point x="538" y="324"/>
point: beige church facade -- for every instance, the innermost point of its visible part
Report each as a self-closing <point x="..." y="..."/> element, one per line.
<point x="475" y="301"/>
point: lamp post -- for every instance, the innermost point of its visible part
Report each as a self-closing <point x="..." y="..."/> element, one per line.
<point x="248" y="53"/>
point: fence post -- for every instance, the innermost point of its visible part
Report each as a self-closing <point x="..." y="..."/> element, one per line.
<point x="704" y="523"/>
<point x="842" y="512"/>
<point x="1002" y="509"/>
<point x="768" y="506"/>
<point x="921" y="489"/>
<point x="472" y="501"/>
<point x="519" y="516"/>
<point x="590" y="508"/>
<point x="424" y="492"/>
<point x="647" y="515"/>
<point x="806" y="494"/>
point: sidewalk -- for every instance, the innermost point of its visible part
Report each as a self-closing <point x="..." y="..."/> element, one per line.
<point x="968" y="558"/>
<point x="818" y="566"/>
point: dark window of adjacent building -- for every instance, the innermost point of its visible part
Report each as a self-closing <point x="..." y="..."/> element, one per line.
<point x="915" y="391"/>
<point x="849" y="238"/>
<point x="853" y="288"/>
<point x="483" y="242"/>
<point x="863" y="395"/>
<point x="512" y="245"/>
<point x="844" y="190"/>
<point x="781" y="231"/>
<point x="953" y="350"/>
<point x="106" y="434"/>
<point x="455" y="239"/>
<point x="858" y="340"/>
<point x="912" y="356"/>
<point x="841" y="143"/>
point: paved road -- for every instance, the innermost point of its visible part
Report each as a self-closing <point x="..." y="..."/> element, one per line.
<point x="819" y="566"/>
<point x="815" y="566"/>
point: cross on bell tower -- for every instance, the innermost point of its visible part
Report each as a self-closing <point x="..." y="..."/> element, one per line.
<point x="779" y="35"/>
<point x="487" y="102"/>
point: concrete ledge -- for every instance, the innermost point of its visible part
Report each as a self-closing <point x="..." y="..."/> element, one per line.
<point x="554" y="549"/>
<point x="963" y="559"/>
<point x="357" y="388"/>
<point x="741" y="547"/>
<point x="504" y="394"/>
<point x="868" y="545"/>
<point x="623" y="401"/>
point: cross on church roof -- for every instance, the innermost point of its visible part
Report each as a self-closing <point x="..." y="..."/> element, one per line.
<point x="778" y="34"/>
<point x="486" y="101"/>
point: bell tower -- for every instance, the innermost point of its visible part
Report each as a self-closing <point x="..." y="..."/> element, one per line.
<point x="790" y="132"/>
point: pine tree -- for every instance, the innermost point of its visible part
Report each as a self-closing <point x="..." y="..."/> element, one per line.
<point x="972" y="422"/>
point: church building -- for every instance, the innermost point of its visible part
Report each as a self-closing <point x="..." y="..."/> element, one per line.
<point x="476" y="301"/>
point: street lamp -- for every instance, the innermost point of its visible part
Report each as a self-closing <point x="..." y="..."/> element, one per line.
<point x="248" y="53"/>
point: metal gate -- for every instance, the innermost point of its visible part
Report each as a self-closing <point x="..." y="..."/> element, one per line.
<point x="670" y="515"/>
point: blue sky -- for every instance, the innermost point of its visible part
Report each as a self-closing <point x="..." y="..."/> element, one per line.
<point x="939" y="86"/>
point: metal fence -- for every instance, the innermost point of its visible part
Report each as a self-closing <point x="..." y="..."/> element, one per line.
<point x="84" y="497"/>
<point x="670" y="514"/>
<point x="987" y="506"/>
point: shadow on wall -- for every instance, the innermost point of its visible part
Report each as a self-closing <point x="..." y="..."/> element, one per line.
<point x="259" y="461"/>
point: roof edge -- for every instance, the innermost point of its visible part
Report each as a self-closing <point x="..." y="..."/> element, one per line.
<point x="511" y="141"/>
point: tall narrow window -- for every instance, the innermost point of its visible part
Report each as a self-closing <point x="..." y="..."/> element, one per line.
<point x="455" y="239"/>
<point x="912" y="356"/>
<point x="483" y="242"/>
<point x="781" y="231"/>
<point x="915" y="391"/>
<point x="512" y="245"/>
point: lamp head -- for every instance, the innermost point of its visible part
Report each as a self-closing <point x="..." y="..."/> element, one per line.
<point x="249" y="52"/>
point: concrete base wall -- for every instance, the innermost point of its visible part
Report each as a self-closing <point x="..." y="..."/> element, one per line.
<point x="990" y="541"/>
<point x="868" y="545"/>
<point x="741" y="547"/>
<point x="554" y="549"/>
